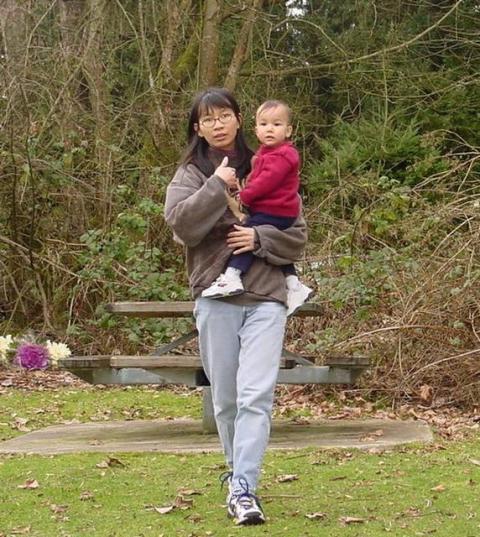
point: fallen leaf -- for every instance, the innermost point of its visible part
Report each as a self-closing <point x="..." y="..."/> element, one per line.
<point x="113" y="461"/>
<point x="164" y="510"/>
<point x="182" y="503"/>
<point x="474" y="461"/>
<point x="20" y="425"/>
<point x="413" y="512"/>
<point x="438" y="488"/>
<point x="287" y="477"/>
<point x="189" y="492"/>
<point x="29" y="484"/>
<point x="58" y="508"/>
<point x="425" y="392"/>
<point x="21" y="530"/>
<point x="316" y="516"/>
<point x="86" y="495"/>
<point x="372" y="437"/>
<point x="345" y="520"/>
<point x="110" y="462"/>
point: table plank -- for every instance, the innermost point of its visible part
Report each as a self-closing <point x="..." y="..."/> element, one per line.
<point x="184" y="309"/>
<point x="85" y="362"/>
<point x="347" y="361"/>
<point x="149" y="362"/>
<point x="152" y="309"/>
<point x="171" y="361"/>
<point x="175" y="361"/>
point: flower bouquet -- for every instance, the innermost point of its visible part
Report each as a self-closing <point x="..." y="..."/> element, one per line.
<point x="31" y="355"/>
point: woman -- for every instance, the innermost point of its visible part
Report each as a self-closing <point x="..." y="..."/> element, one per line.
<point x="240" y="337"/>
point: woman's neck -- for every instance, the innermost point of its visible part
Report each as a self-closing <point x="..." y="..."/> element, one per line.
<point x="217" y="155"/>
<point x="223" y="152"/>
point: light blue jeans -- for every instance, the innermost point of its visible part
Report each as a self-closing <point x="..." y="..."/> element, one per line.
<point x="240" y="347"/>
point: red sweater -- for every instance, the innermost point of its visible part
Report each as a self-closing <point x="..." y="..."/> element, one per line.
<point x="272" y="186"/>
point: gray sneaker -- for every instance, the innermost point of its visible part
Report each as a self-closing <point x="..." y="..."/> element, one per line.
<point x="244" y="507"/>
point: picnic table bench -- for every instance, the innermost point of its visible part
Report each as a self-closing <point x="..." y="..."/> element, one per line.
<point x="165" y="366"/>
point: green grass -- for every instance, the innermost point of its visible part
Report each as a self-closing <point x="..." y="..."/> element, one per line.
<point x="393" y="493"/>
<point x="42" y="408"/>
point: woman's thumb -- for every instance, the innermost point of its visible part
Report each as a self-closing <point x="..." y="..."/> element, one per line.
<point x="224" y="161"/>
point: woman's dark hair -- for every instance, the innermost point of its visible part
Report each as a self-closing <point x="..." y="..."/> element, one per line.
<point x="197" y="149"/>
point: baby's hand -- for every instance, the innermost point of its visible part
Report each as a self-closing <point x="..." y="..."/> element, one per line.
<point x="236" y="207"/>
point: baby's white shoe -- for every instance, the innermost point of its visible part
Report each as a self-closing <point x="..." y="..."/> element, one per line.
<point x="225" y="285"/>
<point x="296" y="296"/>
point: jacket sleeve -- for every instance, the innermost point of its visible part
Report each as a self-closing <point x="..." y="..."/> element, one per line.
<point x="282" y="247"/>
<point x="272" y="174"/>
<point x="193" y="207"/>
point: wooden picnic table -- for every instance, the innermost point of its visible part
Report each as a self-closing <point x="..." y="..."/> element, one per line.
<point x="165" y="366"/>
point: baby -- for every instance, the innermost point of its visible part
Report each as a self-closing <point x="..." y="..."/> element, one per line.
<point x="271" y="196"/>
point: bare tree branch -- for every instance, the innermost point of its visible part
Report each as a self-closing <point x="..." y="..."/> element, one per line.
<point x="242" y="46"/>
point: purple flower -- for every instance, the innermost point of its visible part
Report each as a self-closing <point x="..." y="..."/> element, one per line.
<point x="31" y="356"/>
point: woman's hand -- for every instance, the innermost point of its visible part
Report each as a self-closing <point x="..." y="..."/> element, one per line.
<point x="242" y="239"/>
<point x="227" y="175"/>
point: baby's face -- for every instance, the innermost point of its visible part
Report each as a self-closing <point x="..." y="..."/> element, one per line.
<point x="273" y="126"/>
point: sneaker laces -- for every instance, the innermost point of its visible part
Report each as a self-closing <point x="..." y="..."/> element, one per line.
<point x="224" y="477"/>
<point x="245" y="498"/>
<point x="221" y="281"/>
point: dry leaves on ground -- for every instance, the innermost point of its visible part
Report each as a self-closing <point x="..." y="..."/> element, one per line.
<point x="111" y="462"/>
<point x="346" y="520"/>
<point x="287" y="477"/>
<point x="29" y="484"/>
<point x="180" y="502"/>
<point x="316" y="516"/>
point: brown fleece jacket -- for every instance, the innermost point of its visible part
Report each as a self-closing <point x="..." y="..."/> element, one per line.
<point x="196" y="210"/>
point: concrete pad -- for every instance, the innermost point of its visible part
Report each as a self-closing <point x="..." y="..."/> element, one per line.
<point x="186" y="436"/>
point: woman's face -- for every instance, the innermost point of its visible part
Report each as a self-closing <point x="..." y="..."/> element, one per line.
<point x="219" y="127"/>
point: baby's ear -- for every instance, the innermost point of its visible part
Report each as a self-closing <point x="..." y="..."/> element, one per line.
<point x="289" y="131"/>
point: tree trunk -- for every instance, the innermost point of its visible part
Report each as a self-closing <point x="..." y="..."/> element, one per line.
<point x="71" y="14"/>
<point x="12" y="24"/>
<point x="99" y="98"/>
<point x="208" y="61"/>
<point x="175" y="12"/>
<point x="173" y="69"/>
<point x="243" y="44"/>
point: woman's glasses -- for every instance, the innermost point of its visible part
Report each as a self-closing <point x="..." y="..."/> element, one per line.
<point x="209" y="121"/>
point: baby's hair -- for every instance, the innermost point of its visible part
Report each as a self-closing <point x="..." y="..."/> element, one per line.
<point x="274" y="103"/>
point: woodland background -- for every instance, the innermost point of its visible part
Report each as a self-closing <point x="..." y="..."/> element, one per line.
<point x="386" y="96"/>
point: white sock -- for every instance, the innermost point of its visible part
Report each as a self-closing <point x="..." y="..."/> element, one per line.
<point x="234" y="272"/>
<point x="292" y="281"/>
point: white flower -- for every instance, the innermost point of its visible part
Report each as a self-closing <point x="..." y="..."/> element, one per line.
<point x="57" y="351"/>
<point x="5" y="344"/>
